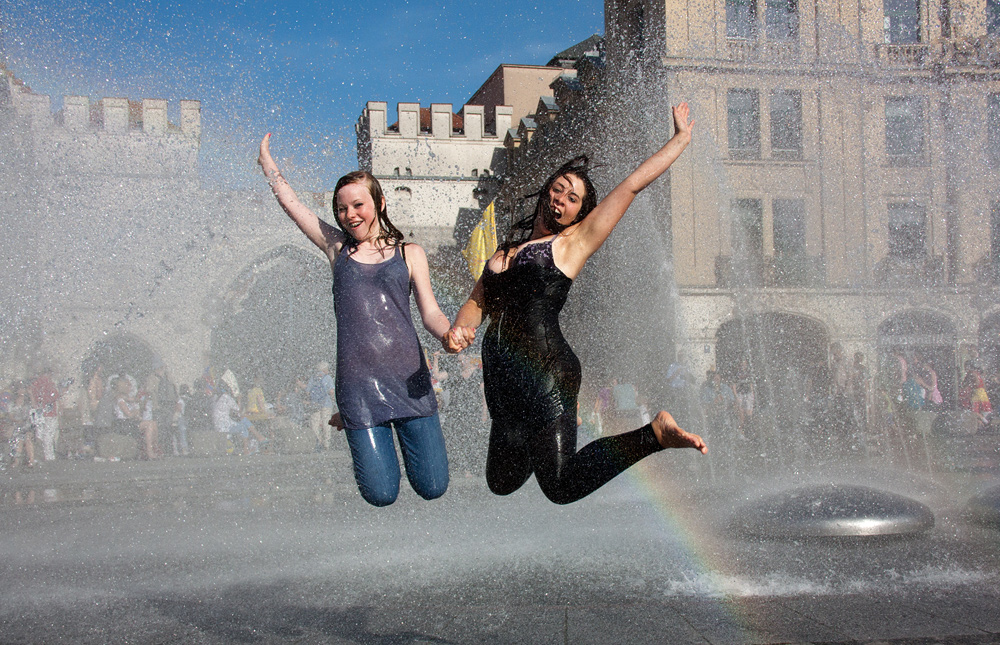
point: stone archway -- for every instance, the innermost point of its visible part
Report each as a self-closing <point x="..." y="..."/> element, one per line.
<point x="277" y="319"/>
<point x="120" y="354"/>
<point x="786" y="354"/>
<point x="925" y="334"/>
<point x="989" y="343"/>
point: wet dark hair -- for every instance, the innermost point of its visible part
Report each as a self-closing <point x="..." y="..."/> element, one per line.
<point x="389" y="233"/>
<point x="579" y="167"/>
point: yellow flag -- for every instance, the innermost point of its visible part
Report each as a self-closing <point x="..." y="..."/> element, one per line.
<point x="482" y="243"/>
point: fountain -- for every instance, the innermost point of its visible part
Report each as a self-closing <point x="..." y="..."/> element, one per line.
<point x="786" y="252"/>
<point x="769" y="538"/>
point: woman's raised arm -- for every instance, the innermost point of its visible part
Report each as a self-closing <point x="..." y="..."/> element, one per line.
<point x="591" y="233"/>
<point x="326" y="237"/>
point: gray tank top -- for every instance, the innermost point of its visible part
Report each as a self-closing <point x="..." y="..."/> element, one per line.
<point x="381" y="371"/>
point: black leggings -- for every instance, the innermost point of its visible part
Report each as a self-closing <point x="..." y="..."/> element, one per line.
<point x="563" y="474"/>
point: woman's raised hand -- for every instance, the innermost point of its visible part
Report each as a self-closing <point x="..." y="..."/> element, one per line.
<point x="682" y="124"/>
<point x="265" y="161"/>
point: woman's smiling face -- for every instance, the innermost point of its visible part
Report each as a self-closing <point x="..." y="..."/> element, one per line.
<point x="356" y="212"/>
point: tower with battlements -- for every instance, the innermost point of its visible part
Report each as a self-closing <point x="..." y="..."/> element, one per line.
<point x="438" y="169"/>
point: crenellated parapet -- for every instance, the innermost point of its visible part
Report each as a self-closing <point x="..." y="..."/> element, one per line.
<point x="437" y="122"/>
<point x="110" y="115"/>
<point x="112" y="136"/>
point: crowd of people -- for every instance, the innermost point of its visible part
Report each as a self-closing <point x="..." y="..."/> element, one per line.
<point x="838" y="403"/>
<point x="159" y="414"/>
<point x="830" y="407"/>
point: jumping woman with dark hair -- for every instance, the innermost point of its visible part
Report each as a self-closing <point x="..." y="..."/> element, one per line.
<point x="530" y="373"/>
<point x="382" y="380"/>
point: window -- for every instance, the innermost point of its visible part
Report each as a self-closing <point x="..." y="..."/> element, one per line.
<point x="902" y="21"/>
<point x="993" y="129"/>
<point x="635" y="32"/>
<point x="748" y="228"/>
<point x="993" y="17"/>
<point x="904" y="129"/>
<point x="907" y="231"/>
<point x="741" y="19"/>
<point x="781" y="19"/>
<point x="789" y="228"/>
<point x="786" y="123"/>
<point x="744" y="124"/>
<point x="944" y="17"/>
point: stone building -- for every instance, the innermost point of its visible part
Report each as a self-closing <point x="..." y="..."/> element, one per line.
<point x="437" y="168"/>
<point x="844" y="183"/>
<point x="842" y="186"/>
<point x="113" y="250"/>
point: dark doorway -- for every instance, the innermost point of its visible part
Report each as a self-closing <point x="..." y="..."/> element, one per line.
<point x="926" y="335"/>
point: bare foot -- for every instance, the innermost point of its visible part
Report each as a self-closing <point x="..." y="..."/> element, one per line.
<point x="669" y="434"/>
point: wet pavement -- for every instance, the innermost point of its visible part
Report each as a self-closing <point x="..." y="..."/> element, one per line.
<point x="276" y="549"/>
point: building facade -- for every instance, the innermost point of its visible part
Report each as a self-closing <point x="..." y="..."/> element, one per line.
<point x="437" y="169"/>
<point x="112" y="250"/>
<point x="842" y="186"/>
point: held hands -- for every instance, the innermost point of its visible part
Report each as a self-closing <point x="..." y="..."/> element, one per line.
<point x="458" y="338"/>
<point x="682" y="123"/>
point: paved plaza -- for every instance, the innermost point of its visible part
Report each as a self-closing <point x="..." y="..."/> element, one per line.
<point x="281" y="549"/>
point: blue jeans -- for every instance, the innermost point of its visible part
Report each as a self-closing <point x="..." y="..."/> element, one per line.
<point x="376" y="468"/>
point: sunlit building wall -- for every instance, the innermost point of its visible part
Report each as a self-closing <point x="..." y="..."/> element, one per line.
<point x="844" y="170"/>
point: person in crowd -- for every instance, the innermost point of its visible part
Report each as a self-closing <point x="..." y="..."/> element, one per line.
<point x="162" y="394"/>
<point x="992" y="385"/>
<point x="128" y="415"/>
<point x="149" y="428"/>
<point x="973" y="394"/>
<point x="913" y="389"/>
<point x="198" y="409"/>
<point x="322" y="392"/>
<point x="383" y="382"/>
<point x="257" y="409"/>
<point x="531" y="375"/>
<point x="227" y="418"/>
<point x="22" y="444"/>
<point x="933" y="400"/>
<point x="680" y="380"/>
<point x="180" y="421"/>
<point x="45" y="416"/>
<point x="291" y="403"/>
<point x="602" y="408"/>
<point x="746" y="398"/>
<point x="91" y="390"/>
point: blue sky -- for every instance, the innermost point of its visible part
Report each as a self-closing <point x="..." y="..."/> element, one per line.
<point x="300" y="69"/>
